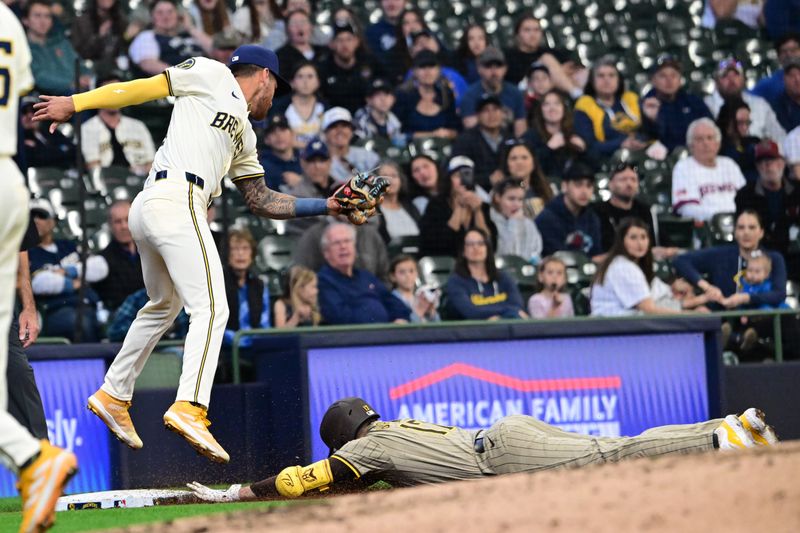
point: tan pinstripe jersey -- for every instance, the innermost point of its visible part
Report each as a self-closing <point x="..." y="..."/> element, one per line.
<point x="409" y="452"/>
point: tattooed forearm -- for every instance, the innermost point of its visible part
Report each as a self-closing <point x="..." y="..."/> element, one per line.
<point x="265" y="202"/>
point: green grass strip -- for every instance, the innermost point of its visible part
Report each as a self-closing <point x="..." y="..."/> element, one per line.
<point x="94" y="520"/>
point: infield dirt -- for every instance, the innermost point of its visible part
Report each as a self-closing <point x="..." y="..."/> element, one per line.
<point x="754" y="490"/>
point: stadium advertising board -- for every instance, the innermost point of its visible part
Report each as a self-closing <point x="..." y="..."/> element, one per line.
<point x="606" y="385"/>
<point x="64" y="387"/>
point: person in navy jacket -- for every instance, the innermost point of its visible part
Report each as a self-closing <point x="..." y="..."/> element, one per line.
<point x="349" y="295"/>
<point x="568" y="222"/>
<point x="677" y="108"/>
<point x="476" y="290"/>
<point x="721" y="264"/>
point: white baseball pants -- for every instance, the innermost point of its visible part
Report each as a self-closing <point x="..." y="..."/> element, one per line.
<point x="181" y="268"/>
<point x="16" y="444"/>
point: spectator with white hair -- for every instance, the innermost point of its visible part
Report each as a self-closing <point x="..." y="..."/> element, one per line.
<point x="705" y="183"/>
<point x="350" y="295"/>
<point x="729" y="85"/>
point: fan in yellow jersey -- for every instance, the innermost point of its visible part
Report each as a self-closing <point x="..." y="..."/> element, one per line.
<point x="43" y="469"/>
<point x="209" y="136"/>
<point x="365" y="449"/>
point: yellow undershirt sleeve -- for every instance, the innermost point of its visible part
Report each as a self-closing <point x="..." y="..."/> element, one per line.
<point x="117" y="95"/>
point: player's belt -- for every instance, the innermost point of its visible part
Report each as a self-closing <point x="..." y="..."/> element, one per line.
<point x="191" y="178"/>
<point x="478" y="443"/>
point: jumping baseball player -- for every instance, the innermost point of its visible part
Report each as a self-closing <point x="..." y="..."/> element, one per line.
<point x="209" y="136"/>
<point x="409" y="452"/>
<point x="43" y="469"/>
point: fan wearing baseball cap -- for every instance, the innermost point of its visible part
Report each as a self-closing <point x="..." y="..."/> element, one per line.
<point x="280" y="159"/>
<point x="376" y="120"/>
<point x="568" y="222"/>
<point x="776" y="199"/>
<point x="669" y="105"/>
<point x="492" y="68"/>
<point x="729" y="84"/>
<point x="787" y="104"/>
<point x="346" y="72"/>
<point x="337" y="132"/>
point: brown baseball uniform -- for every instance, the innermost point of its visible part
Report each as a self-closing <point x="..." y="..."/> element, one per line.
<point x="410" y="452"/>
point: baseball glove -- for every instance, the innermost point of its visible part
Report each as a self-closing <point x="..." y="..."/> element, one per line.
<point x="360" y="195"/>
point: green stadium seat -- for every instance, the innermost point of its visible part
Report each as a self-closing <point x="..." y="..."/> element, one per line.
<point x="408" y="245"/>
<point x="677" y="230"/>
<point x="720" y="228"/>
<point x="105" y="180"/>
<point x="435" y="270"/>
<point x="275" y="252"/>
<point x="580" y="268"/>
<point x="521" y="270"/>
<point x="663" y="270"/>
<point x="41" y="180"/>
<point x="162" y="371"/>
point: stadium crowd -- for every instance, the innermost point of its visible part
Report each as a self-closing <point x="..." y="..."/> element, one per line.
<point x="533" y="173"/>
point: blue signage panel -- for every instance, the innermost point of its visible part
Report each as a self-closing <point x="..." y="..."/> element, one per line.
<point x="65" y="387"/>
<point x="611" y="386"/>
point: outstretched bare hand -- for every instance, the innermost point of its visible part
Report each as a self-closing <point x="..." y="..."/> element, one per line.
<point x="57" y="109"/>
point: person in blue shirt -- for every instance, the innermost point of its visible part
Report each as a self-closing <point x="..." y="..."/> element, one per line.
<point x="492" y="69"/>
<point x="787" y="104"/>
<point x="350" y="295"/>
<point x="676" y="107"/>
<point x="771" y="87"/>
<point x="567" y="221"/>
<point x="717" y="272"/>
<point x="280" y="159"/>
<point x="382" y="35"/>
<point x="723" y="265"/>
<point x="247" y="295"/>
<point x="476" y="290"/>
<point x="781" y="17"/>
<point x="425" y="104"/>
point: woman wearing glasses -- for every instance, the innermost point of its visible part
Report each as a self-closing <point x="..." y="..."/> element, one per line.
<point x="476" y="290"/>
<point x="734" y="122"/>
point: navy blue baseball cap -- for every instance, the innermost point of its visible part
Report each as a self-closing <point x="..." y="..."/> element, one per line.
<point x="251" y="54"/>
<point x="315" y="149"/>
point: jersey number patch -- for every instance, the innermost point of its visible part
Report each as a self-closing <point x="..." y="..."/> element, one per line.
<point x="426" y="427"/>
<point x="5" y="76"/>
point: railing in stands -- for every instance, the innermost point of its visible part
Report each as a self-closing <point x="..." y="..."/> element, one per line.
<point x="776" y="315"/>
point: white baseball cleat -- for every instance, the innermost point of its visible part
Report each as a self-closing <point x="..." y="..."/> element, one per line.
<point x="731" y="435"/>
<point x="754" y="421"/>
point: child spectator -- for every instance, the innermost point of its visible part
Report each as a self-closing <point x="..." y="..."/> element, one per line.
<point x="422" y="302"/>
<point x="755" y="279"/>
<point x="299" y="306"/>
<point x="303" y="108"/>
<point x="376" y="120"/>
<point x="551" y="301"/>
<point x="516" y="233"/>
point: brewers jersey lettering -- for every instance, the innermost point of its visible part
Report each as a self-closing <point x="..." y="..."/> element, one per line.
<point x="16" y="444"/>
<point x="209" y="134"/>
<point x="410" y="452"/>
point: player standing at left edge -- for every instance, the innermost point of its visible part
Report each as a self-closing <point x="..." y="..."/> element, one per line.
<point x="209" y="136"/>
<point x="43" y="469"/>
